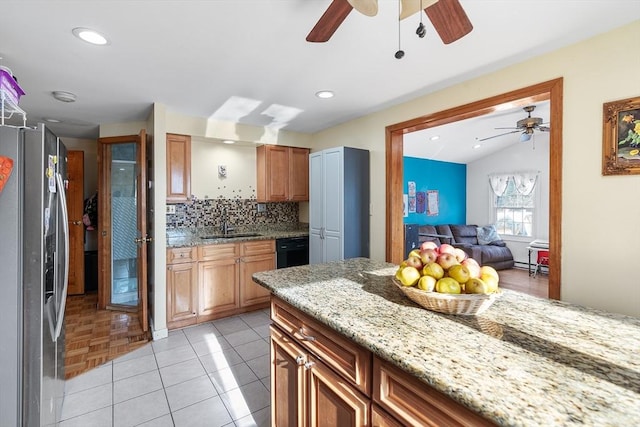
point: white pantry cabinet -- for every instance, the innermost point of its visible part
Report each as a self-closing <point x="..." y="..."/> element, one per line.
<point x="338" y="204"/>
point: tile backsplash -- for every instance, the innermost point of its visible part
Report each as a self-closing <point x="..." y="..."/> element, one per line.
<point x="241" y="213"/>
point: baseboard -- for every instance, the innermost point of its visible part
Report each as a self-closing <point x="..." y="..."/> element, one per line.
<point x="157" y="334"/>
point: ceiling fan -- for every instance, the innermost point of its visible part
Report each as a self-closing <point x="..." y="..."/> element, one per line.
<point x="527" y="126"/>
<point x="447" y="16"/>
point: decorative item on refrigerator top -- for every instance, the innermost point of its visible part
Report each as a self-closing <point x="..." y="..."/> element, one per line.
<point x="9" y="87"/>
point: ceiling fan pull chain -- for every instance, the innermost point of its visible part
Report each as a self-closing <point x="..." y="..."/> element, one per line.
<point x="400" y="53"/>
<point x="421" y="31"/>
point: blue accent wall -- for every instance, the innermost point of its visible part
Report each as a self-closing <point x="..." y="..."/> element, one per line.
<point x="449" y="179"/>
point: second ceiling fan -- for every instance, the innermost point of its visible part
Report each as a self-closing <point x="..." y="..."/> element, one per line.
<point x="447" y="16"/>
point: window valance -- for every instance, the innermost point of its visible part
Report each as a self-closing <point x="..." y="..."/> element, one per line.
<point x="525" y="182"/>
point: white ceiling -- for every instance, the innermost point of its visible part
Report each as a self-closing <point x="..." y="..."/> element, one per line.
<point x="248" y="61"/>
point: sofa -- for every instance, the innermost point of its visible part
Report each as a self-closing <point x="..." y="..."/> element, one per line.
<point x="493" y="252"/>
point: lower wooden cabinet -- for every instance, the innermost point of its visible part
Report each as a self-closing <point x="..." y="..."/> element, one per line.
<point x="213" y="281"/>
<point x="306" y="392"/>
<point x="182" y="287"/>
<point x="333" y="388"/>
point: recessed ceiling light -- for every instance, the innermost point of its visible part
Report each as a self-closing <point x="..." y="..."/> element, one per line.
<point x="434" y="137"/>
<point x="476" y="146"/>
<point x="90" y="36"/>
<point x="64" y="96"/>
<point x="52" y="120"/>
<point x="324" y="94"/>
<point x="228" y="141"/>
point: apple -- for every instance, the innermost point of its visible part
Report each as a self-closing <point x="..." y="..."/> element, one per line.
<point x="473" y="266"/>
<point x="428" y="255"/>
<point x="434" y="270"/>
<point x="415" y="262"/>
<point x="415" y="252"/>
<point x="446" y="248"/>
<point x="408" y="276"/>
<point x="489" y="271"/>
<point x="491" y="282"/>
<point x="448" y="285"/>
<point x="460" y="273"/>
<point x="427" y="283"/>
<point x="429" y="245"/>
<point x="477" y="286"/>
<point x="446" y="260"/>
<point x="460" y="254"/>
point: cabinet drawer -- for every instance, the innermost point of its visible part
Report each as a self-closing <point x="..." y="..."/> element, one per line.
<point x="415" y="403"/>
<point x="257" y="247"/>
<point x="214" y="252"/>
<point x="181" y="255"/>
<point x="344" y="356"/>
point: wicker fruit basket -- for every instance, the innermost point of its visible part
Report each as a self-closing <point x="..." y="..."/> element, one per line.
<point x="464" y="304"/>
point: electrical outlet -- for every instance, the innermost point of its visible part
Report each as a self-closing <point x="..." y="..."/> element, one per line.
<point x="171" y="209"/>
<point x="262" y="207"/>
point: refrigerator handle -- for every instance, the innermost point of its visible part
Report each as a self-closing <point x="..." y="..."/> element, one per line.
<point x="65" y="227"/>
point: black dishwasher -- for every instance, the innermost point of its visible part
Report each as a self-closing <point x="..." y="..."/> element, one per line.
<point x="292" y="251"/>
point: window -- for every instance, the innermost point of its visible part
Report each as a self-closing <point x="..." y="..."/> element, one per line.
<point x="514" y="212"/>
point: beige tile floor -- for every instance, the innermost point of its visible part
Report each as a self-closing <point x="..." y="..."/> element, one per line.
<point x="212" y="374"/>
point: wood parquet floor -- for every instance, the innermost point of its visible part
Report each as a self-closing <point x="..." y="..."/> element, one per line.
<point x="93" y="337"/>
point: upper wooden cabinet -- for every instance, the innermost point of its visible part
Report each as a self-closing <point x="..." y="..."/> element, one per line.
<point x="178" y="168"/>
<point x="282" y="173"/>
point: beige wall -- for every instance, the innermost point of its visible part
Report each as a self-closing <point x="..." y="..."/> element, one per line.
<point x="601" y="239"/>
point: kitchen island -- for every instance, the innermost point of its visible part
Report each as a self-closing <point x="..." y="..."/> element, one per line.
<point x="526" y="361"/>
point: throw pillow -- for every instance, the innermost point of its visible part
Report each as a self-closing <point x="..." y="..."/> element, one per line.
<point x="487" y="234"/>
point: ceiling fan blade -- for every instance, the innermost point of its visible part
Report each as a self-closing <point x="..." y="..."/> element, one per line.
<point x="544" y="128"/>
<point x="502" y="134"/>
<point x="330" y="21"/>
<point x="410" y="7"/>
<point x="510" y="128"/>
<point x="366" y="7"/>
<point x="449" y="19"/>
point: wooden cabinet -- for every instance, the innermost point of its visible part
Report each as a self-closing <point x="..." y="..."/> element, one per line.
<point x="315" y="380"/>
<point x="321" y="378"/>
<point x="412" y="402"/>
<point x="255" y="257"/>
<point x="178" y="168"/>
<point x="182" y="291"/>
<point x="213" y="281"/>
<point x="306" y="392"/>
<point x="282" y="173"/>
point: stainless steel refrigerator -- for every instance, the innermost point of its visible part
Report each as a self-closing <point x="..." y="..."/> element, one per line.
<point x="34" y="254"/>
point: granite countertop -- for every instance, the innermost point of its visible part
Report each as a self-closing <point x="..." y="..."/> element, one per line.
<point x="194" y="236"/>
<point x="526" y="361"/>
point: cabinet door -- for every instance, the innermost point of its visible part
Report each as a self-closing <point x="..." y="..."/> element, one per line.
<point x="272" y="173"/>
<point x="178" y="168"/>
<point x="182" y="297"/>
<point x="332" y="402"/>
<point x="218" y="294"/>
<point x="298" y="174"/>
<point x="316" y="210"/>
<point x="288" y="382"/>
<point x="379" y="418"/>
<point x="250" y="292"/>
<point x="333" y="181"/>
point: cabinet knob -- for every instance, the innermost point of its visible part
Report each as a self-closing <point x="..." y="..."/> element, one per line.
<point x="308" y="365"/>
<point x="306" y="337"/>
<point x="300" y="360"/>
<point x="169" y="268"/>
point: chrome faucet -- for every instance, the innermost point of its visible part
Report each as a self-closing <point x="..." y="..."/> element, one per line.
<point x="226" y="228"/>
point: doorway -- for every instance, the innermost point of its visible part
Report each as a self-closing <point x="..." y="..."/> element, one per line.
<point x="552" y="91"/>
<point x="122" y="230"/>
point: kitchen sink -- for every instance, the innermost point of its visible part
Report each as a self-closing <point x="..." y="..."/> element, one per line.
<point x="229" y="235"/>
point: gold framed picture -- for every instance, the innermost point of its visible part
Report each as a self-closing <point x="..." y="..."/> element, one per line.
<point x="621" y="137"/>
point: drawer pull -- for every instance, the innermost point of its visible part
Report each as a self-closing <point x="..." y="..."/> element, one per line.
<point x="300" y="360"/>
<point x="308" y="365"/>
<point x="306" y="337"/>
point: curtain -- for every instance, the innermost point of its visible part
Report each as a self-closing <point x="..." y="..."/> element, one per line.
<point x="498" y="183"/>
<point x="524" y="181"/>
